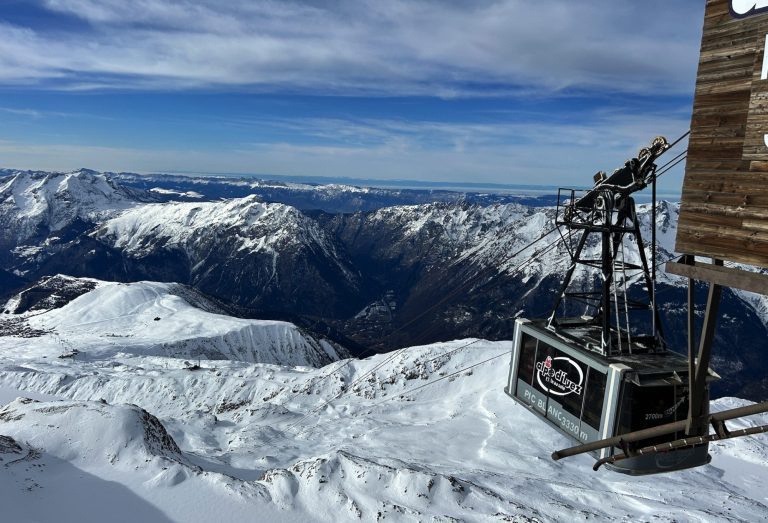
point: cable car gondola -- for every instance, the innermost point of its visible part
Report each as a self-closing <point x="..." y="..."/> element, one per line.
<point x="590" y="397"/>
<point x="597" y="376"/>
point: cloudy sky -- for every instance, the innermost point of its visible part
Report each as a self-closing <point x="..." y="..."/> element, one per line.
<point x="504" y="91"/>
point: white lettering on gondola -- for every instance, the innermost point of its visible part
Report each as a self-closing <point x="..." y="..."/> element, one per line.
<point x="566" y="424"/>
<point x="534" y="400"/>
<point x="559" y="381"/>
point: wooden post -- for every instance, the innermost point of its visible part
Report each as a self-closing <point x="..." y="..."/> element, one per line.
<point x="697" y="414"/>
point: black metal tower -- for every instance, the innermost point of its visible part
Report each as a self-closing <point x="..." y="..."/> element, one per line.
<point x="608" y="211"/>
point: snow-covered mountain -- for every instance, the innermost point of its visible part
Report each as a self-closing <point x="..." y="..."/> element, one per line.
<point x="260" y="227"/>
<point x="460" y="255"/>
<point x="35" y="205"/>
<point x="426" y="234"/>
<point x="484" y="235"/>
<point x="254" y="253"/>
<point x="426" y="435"/>
<point x="101" y="319"/>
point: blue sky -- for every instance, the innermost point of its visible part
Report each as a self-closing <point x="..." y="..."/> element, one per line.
<point x="509" y="91"/>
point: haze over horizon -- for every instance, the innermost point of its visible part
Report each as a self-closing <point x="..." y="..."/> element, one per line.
<point x="504" y="92"/>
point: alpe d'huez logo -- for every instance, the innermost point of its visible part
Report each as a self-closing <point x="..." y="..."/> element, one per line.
<point x="745" y="8"/>
<point x="559" y="376"/>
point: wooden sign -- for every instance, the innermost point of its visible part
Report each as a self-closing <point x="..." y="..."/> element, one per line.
<point x="724" y="210"/>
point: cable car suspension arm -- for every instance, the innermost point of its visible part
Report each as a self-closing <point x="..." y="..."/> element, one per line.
<point x="625" y="441"/>
<point x="679" y="444"/>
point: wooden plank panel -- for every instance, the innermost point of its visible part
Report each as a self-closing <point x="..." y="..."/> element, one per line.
<point x="724" y="210"/>
<point x="736" y="202"/>
<point x="757" y="239"/>
<point x="725" y="248"/>
<point x="726" y="276"/>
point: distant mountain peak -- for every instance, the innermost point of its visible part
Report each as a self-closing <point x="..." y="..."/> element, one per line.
<point x="84" y="171"/>
<point x="35" y="203"/>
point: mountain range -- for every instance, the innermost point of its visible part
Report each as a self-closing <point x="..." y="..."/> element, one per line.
<point x="375" y="279"/>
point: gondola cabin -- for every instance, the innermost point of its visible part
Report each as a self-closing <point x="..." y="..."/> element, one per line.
<point x="587" y="396"/>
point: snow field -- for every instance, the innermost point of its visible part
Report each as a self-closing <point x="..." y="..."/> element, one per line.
<point x="150" y="318"/>
<point x="456" y="450"/>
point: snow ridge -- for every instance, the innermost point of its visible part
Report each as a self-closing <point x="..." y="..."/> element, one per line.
<point x="257" y="228"/>
<point x="30" y="200"/>
<point x="150" y="318"/>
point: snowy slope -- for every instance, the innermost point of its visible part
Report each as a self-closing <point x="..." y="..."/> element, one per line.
<point x="259" y="227"/>
<point x="266" y="439"/>
<point x="259" y="255"/>
<point x="151" y="318"/>
<point x="98" y="462"/>
<point x="35" y="201"/>
<point x="503" y="236"/>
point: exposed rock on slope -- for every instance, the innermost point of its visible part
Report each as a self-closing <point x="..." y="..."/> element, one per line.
<point x="265" y="256"/>
<point x="49" y="293"/>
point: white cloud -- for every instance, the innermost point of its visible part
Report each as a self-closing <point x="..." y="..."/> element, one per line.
<point x="445" y="48"/>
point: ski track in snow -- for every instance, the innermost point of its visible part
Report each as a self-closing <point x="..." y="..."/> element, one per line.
<point x="458" y="449"/>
